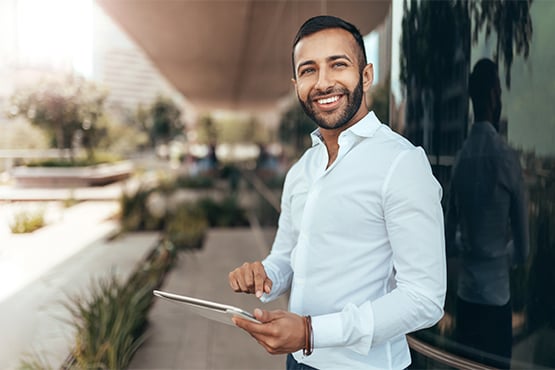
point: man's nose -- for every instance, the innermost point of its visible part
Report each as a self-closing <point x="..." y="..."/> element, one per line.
<point x="325" y="80"/>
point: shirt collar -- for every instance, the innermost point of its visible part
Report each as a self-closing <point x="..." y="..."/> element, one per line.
<point x="364" y="128"/>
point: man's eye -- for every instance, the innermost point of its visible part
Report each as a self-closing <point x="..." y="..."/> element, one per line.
<point x="306" y="71"/>
<point x="339" y="64"/>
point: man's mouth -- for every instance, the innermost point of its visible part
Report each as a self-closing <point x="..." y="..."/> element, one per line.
<point x="329" y="100"/>
<point x="329" y="103"/>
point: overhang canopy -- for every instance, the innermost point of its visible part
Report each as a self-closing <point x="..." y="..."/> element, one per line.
<point x="230" y="54"/>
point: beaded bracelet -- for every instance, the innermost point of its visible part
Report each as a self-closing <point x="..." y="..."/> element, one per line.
<point x="309" y="336"/>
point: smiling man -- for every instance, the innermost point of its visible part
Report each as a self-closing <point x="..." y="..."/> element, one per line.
<point x="360" y="241"/>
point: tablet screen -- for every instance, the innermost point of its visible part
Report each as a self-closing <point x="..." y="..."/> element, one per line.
<point x="208" y="309"/>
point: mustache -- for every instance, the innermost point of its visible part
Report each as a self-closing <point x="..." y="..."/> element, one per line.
<point x="329" y="91"/>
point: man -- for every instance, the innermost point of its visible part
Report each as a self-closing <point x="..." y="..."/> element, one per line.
<point x="360" y="241"/>
<point x="487" y="192"/>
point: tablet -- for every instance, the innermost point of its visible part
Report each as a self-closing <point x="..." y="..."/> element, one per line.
<point x="208" y="309"/>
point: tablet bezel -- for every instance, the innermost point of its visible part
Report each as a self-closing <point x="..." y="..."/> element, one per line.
<point x="200" y="305"/>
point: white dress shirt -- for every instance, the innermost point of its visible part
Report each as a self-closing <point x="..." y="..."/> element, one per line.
<point x="361" y="247"/>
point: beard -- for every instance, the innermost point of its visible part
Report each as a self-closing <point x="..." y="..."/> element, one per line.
<point x="334" y="120"/>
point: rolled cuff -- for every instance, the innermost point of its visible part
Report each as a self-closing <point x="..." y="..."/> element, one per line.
<point x="351" y="328"/>
<point x="277" y="283"/>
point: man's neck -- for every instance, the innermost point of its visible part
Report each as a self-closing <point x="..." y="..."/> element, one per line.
<point x="331" y="137"/>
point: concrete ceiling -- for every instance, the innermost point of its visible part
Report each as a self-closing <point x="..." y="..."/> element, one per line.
<point x="230" y="54"/>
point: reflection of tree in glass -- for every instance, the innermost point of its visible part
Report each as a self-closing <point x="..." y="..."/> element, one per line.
<point x="435" y="34"/>
<point x="510" y="21"/>
<point x="427" y="26"/>
<point x="435" y="62"/>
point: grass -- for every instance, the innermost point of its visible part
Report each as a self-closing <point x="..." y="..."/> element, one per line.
<point x="26" y="221"/>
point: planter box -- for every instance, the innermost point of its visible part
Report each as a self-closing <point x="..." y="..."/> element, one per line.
<point x="97" y="175"/>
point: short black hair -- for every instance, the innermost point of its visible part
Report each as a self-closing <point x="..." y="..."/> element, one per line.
<point x="483" y="79"/>
<point x="324" y="22"/>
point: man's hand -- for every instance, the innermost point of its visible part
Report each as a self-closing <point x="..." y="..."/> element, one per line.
<point x="280" y="332"/>
<point x="250" y="278"/>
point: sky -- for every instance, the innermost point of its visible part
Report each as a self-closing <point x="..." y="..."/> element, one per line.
<point x="55" y="33"/>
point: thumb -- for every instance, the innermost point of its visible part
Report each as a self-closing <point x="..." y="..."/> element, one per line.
<point x="268" y="286"/>
<point x="263" y="315"/>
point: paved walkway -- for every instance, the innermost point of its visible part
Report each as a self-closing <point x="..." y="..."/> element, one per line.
<point x="26" y="257"/>
<point x="180" y="340"/>
<point x="39" y="271"/>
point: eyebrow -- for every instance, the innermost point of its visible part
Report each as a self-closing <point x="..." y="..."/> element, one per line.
<point x="328" y="59"/>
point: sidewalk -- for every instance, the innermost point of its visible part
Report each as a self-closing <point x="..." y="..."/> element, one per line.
<point x="180" y="340"/>
<point x="38" y="272"/>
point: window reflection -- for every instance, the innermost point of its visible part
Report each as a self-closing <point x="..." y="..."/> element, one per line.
<point x="438" y="45"/>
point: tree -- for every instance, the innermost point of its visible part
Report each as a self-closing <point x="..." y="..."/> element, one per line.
<point x="294" y="129"/>
<point x="66" y="107"/>
<point x="435" y="61"/>
<point x="161" y="120"/>
<point x="207" y="132"/>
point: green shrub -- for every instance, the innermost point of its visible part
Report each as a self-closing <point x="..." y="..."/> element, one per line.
<point x="34" y="361"/>
<point x="98" y="158"/>
<point x="27" y="221"/>
<point x="186" y="228"/>
<point x="110" y="319"/>
<point x="194" y="182"/>
<point x="182" y="223"/>
<point x="135" y="212"/>
<point x="225" y="213"/>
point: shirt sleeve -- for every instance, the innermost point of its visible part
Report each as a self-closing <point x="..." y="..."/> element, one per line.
<point x="518" y="211"/>
<point x="414" y="223"/>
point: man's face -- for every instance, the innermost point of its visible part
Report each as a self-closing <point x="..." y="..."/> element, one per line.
<point x="329" y="83"/>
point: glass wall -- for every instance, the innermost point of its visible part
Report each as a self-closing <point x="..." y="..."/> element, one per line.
<point x="500" y="309"/>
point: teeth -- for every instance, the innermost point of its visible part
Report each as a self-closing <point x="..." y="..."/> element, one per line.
<point x="328" y="100"/>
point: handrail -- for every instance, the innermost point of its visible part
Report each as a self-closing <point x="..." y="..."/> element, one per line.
<point x="444" y="357"/>
<point x="263" y="190"/>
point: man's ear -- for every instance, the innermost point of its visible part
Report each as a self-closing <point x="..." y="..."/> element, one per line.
<point x="294" y="82"/>
<point x="367" y="77"/>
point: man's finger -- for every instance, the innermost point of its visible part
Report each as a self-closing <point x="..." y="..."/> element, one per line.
<point x="254" y="328"/>
<point x="266" y="316"/>
<point x="251" y="327"/>
<point x="268" y="286"/>
<point x="261" y="315"/>
<point x="259" y="280"/>
<point x="233" y="282"/>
